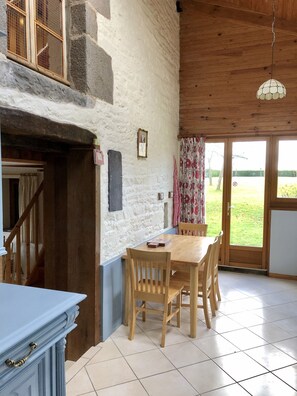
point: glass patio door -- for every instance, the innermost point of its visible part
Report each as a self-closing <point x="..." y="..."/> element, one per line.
<point x="235" y="199"/>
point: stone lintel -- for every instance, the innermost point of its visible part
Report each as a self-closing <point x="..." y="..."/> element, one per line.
<point x="18" y="122"/>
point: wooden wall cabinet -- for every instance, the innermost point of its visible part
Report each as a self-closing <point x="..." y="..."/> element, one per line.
<point x="29" y="317"/>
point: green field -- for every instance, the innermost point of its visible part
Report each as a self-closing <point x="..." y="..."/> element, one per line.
<point x="247" y="214"/>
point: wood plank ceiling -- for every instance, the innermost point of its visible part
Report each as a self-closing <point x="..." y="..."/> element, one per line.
<point x="225" y="56"/>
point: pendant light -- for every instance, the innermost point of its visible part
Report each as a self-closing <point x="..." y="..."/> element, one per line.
<point x="272" y="89"/>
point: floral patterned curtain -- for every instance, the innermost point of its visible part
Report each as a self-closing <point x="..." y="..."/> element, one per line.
<point x="192" y="177"/>
<point x="176" y="196"/>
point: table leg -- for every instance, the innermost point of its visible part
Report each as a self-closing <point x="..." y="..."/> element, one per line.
<point x="193" y="300"/>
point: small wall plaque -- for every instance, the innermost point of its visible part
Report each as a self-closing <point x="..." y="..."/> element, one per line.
<point x="142" y="137"/>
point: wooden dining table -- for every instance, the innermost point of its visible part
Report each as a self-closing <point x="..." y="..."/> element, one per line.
<point x="187" y="255"/>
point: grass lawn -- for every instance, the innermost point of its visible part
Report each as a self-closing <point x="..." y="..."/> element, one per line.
<point x="247" y="214"/>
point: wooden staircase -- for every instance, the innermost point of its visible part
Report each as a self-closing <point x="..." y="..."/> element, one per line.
<point x="24" y="262"/>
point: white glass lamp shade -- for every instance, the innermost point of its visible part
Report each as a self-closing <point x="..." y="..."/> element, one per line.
<point x="271" y="89"/>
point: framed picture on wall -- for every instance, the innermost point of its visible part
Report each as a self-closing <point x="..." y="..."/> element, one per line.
<point x="142" y="137"/>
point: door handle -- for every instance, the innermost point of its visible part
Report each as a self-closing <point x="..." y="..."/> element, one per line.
<point x="229" y="207"/>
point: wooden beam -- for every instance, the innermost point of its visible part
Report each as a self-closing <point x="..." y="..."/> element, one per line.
<point x="244" y="16"/>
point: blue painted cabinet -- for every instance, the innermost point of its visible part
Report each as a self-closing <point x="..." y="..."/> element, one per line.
<point x="34" y="324"/>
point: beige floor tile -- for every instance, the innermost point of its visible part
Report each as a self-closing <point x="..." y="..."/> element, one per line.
<point x="214" y="354"/>
<point x="109" y="373"/>
<point x="173" y="336"/>
<point x="171" y="384"/>
<point x="247" y="319"/>
<point x="289" y="325"/>
<point x="232" y="295"/>
<point x="184" y="354"/>
<point x="206" y="376"/>
<point x="244" y="339"/>
<point x="273" y="313"/>
<point x="288" y="375"/>
<point x="230" y="390"/>
<point x="288" y="346"/>
<point x="123" y="331"/>
<point x="133" y="388"/>
<point x="267" y="385"/>
<point x="140" y="343"/>
<point x="245" y="304"/>
<point x="270" y="332"/>
<point x="107" y="351"/>
<point x="75" y="368"/>
<point x="215" y="346"/>
<point x="202" y="330"/>
<point x="240" y="366"/>
<point x="92" y="351"/>
<point x="149" y="363"/>
<point x="223" y="324"/>
<point x="270" y="357"/>
<point x="79" y="384"/>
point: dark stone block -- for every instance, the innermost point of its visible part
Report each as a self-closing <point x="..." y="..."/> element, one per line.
<point x="102" y="6"/>
<point x="84" y="20"/>
<point x="19" y="77"/>
<point x="3" y="27"/>
<point x="91" y="69"/>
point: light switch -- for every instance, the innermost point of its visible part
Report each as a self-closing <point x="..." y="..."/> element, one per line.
<point x="170" y="194"/>
<point x="160" y="196"/>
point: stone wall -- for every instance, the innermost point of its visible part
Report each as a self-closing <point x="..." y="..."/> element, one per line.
<point x="124" y="76"/>
<point x="142" y="37"/>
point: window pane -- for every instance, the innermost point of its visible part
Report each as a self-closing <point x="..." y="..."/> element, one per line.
<point x="21" y="4"/>
<point x="49" y="13"/>
<point x="49" y="52"/>
<point x="287" y="169"/>
<point x="214" y="166"/>
<point x="16" y="32"/>
<point x="247" y="193"/>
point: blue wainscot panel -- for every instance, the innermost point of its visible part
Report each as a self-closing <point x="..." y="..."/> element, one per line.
<point x="112" y="276"/>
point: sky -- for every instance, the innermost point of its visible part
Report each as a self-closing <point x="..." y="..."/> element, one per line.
<point x="251" y="155"/>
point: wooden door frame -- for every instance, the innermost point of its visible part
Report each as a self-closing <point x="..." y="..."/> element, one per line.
<point x="252" y="253"/>
<point x="71" y="211"/>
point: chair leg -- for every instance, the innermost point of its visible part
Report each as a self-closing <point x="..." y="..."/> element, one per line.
<point x="212" y="300"/>
<point x="169" y="310"/>
<point x="178" y="306"/>
<point x="132" y="321"/>
<point x="144" y="312"/>
<point x="216" y="307"/>
<point x="164" y="327"/>
<point x="218" y="290"/>
<point x="205" y="308"/>
<point x="213" y="292"/>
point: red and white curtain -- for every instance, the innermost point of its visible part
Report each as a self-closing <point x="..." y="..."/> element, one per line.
<point x="192" y="180"/>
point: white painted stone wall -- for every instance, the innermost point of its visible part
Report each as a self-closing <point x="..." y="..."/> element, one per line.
<point x="142" y="37"/>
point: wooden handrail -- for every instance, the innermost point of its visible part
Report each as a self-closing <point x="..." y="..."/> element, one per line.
<point x="24" y="215"/>
<point x="13" y="266"/>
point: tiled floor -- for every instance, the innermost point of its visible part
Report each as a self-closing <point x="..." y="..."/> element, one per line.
<point x="250" y="350"/>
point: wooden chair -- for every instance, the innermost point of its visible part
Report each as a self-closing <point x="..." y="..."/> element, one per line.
<point x="204" y="282"/>
<point x="215" y="277"/>
<point x="192" y="229"/>
<point x="150" y="282"/>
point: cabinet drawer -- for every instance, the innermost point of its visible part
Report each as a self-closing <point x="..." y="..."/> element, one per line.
<point x="44" y="338"/>
<point x="34" y="380"/>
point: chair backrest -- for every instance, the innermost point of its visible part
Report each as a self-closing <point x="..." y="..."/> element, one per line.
<point x="192" y="229"/>
<point x="150" y="274"/>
